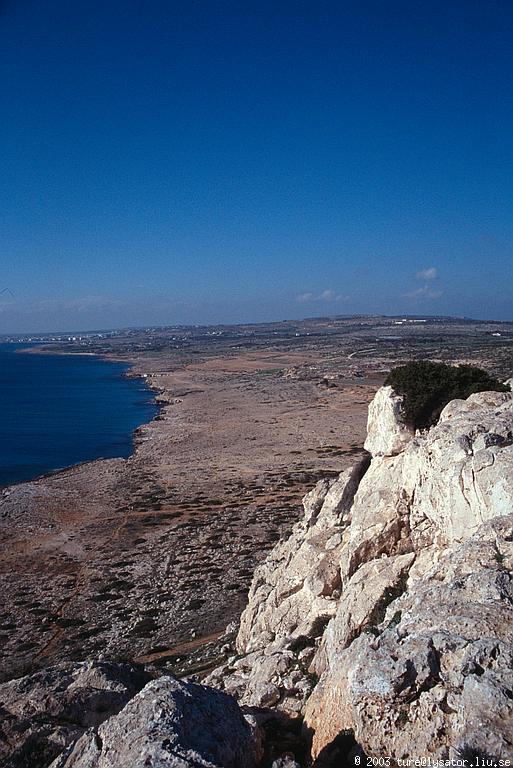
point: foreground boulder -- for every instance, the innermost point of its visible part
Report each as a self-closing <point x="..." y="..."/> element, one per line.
<point x="42" y="713"/>
<point x="104" y="715"/>
<point x="169" y="724"/>
<point x="388" y="612"/>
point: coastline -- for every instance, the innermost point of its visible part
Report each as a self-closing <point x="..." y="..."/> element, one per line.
<point x="138" y="557"/>
<point x="126" y="373"/>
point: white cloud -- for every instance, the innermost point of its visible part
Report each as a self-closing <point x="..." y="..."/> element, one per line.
<point x="423" y="293"/>
<point x="430" y="273"/>
<point x="303" y="298"/>
<point x="81" y="304"/>
<point x="327" y="295"/>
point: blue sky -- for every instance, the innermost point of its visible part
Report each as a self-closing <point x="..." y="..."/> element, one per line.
<point x="205" y="161"/>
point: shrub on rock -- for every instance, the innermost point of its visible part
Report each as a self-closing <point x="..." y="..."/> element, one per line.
<point x="427" y="387"/>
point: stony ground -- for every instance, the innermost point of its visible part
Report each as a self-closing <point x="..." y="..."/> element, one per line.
<point x="150" y="558"/>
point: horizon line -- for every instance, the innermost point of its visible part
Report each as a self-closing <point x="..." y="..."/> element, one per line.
<point x="155" y="327"/>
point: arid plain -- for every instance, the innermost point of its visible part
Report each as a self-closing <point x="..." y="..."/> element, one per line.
<point x="150" y="558"/>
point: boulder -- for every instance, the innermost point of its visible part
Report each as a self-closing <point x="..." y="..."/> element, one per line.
<point x="169" y="724"/>
<point x="44" y="712"/>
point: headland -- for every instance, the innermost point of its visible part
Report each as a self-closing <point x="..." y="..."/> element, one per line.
<point x="149" y="558"/>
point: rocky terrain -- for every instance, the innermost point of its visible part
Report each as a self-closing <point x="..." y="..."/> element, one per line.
<point x="382" y="626"/>
<point x="388" y="613"/>
<point x="115" y="715"/>
<point x="151" y="557"/>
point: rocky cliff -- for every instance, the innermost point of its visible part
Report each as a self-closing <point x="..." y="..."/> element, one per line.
<point x="386" y="618"/>
<point x="389" y="612"/>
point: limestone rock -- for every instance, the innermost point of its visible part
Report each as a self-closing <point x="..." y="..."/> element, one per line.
<point x="380" y="516"/>
<point x="373" y="587"/>
<point x="293" y="589"/>
<point x="387" y="432"/>
<point x="441" y="488"/>
<point x="436" y="677"/>
<point x="293" y="595"/>
<point x="169" y="724"/>
<point x="461" y="473"/>
<point x="44" y="712"/>
<point x="391" y="570"/>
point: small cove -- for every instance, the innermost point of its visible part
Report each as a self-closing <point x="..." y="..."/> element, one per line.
<point x="61" y="410"/>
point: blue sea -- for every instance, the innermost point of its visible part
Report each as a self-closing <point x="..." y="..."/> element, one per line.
<point x="59" y="410"/>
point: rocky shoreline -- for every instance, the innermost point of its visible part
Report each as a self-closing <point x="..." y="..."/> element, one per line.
<point x="381" y="628"/>
<point x="151" y="557"/>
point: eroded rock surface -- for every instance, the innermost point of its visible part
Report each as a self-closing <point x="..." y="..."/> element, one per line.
<point x="387" y="431"/>
<point x="435" y="675"/>
<point x="41" y="714"/>
<point x="293" y="596"/>
<point x="389" y="609"/>
<point x="169" y="724"/>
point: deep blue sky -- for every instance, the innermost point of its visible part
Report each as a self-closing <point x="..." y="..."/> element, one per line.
<point x="202" y="161"/>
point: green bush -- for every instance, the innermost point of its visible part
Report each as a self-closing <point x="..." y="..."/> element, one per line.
<point x="427" y="387"/>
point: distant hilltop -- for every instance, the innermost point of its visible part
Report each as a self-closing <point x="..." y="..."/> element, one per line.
<point x="243" y="327"/>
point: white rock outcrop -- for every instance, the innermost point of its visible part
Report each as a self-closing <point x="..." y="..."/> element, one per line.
<point x="387" y="431"/>
<point x="434" y="674"/>
<point x="293" y="595"/>
<point x="383" y="612"/>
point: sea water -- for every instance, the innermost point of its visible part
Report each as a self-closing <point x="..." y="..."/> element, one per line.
<point x="59" y="410"/>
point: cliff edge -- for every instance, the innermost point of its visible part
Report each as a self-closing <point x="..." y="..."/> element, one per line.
<point x="386" y="618"/>
<point x="388" y="613"/>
